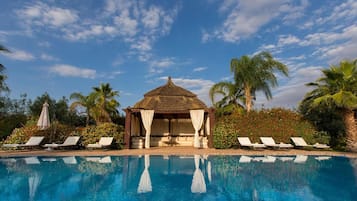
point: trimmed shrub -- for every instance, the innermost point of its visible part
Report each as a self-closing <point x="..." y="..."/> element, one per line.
<point x="92" y="134"/>
<point x="281" y="124"/>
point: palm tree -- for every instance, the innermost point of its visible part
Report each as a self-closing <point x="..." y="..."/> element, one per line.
<point x="231" y="97"/>
<point x="105" y="103"/>
<point x="338" y="87"/>
<point x="3" y="86"/>
<point x="256" y="74"/>
<point x="87" y="102"/>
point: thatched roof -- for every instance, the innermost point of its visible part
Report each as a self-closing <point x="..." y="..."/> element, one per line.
<point x="170" y="98"/>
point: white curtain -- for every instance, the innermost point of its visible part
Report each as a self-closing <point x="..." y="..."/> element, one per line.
<point x="145" y="180"/>
<point x="197" y="120"/>
<point x="147" y="116"/>
<point x="198" y="181"/>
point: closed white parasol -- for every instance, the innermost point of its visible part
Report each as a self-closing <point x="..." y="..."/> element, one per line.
<point x="44" y="120"/>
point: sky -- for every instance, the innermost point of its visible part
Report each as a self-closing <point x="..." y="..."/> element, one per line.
<point x="67" y="46"/>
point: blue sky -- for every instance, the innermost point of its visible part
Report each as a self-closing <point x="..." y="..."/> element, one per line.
<point x="61" y="47"/>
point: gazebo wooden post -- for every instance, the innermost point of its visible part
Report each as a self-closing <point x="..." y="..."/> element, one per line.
<point x="211" y="115"/>
<point x="127" y="134"/>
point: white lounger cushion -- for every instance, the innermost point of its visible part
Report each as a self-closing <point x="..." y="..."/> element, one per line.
<point x="70" y="141"/>
<point x="103" y="142"/>
<point x="269" y="141"/>
<point x="33" y="141"/>
<point x="300" y="142"/>
<point x="245" y="142"/>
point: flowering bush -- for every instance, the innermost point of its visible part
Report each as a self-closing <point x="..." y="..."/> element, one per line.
<point x="56" y="133"/>
<point x="281" y="124"/>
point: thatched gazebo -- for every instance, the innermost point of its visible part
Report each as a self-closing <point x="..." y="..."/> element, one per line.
<point x="169" y="116"/>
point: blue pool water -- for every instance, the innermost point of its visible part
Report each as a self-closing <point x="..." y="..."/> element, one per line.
<point x="178" y="178"/>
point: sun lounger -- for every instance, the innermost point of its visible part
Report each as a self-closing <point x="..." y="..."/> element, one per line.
<point x="322" y="158"/>
<point x="265" y="159"/>
<point x="320" y="146"/>
<point x="49" y="159"/>
<point x="31" y="160"/>
<point x="245" y="159"/>
<point x="71" y="141"/>
<point x="269" y="159"/>
<point x="106" y="159"/>
<point x="269" y="142"/>
<point x="299" y="142"/>
<point x="69" y="160"/>
<point x="245" y="142"/>
<point x="286" y="158"/>
<point x="34" y="141"/>
<point x="104" y="142"/>
<point x="300" y="159"/>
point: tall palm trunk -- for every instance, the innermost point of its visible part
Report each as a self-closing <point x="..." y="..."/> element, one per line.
<point x="351" y="130"/>
<point x="248" y="98"/>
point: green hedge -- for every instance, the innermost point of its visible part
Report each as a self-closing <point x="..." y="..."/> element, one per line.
<point x="92" y="134"/>
<point x="281" y="124"/>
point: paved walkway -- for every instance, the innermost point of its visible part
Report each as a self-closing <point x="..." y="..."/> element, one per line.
<point x="172" y="151"/>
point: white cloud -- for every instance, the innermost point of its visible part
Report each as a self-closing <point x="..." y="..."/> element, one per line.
<point x="19" y="55"/>
<point x="294" y="12"/>
<point x="157" y="66"/>
<point x="151" y="18"/>
<point x="48" y="57"/>
<point x="143" y="44"/>
<point x="287" y="40"/>
<point x="345" y="11"/>
<point x="334" y="46"/>
<point x="109" y="75"/>
<point x="127" y="25"/>
<point x="130" y="21"/>
<point x="72" y="71"/>
<point x="199" y="69"/>
<point x="205" y="36"/>
<point x="245" y="18"/>
<point x="41" y="14"/>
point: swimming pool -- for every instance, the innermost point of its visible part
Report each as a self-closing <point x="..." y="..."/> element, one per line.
<point x="197" y="177"/>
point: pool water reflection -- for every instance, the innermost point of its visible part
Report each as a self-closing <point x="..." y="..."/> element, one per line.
<point x="196" y="177"/>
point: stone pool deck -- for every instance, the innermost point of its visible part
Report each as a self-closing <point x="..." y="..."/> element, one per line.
<point x="172" y="151"/>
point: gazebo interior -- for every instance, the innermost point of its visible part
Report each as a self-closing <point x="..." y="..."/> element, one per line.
<point x="174" y="112"/>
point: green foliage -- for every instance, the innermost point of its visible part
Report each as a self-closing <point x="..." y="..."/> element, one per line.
<point x="225" y="134"/>
<point x="231" y="97"/>
<point x="327" y="119"/>
<point x="256" y="73"/>
<point x="14" y="106"/>
<point x="92" y="134"/>
<point x="100" y="105"/>
<point x="335" y="91"/>
<point x="9" y="122"/>
<point x="281" y="124"/>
